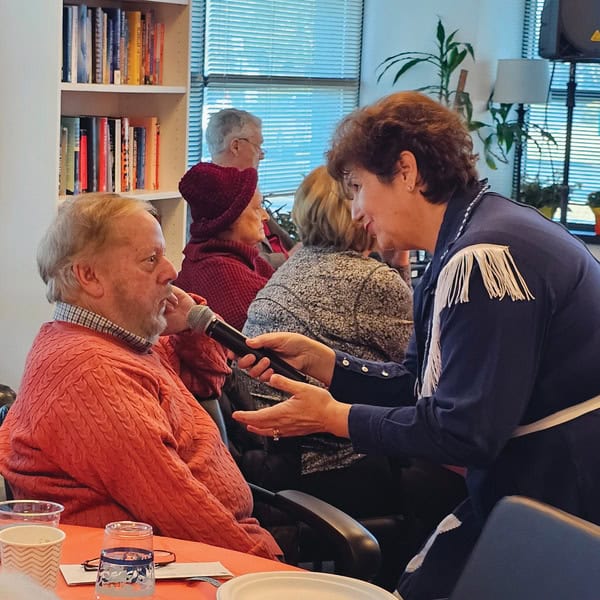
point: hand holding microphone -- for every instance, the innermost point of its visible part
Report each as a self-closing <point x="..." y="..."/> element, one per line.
<point x="202" y="318"/>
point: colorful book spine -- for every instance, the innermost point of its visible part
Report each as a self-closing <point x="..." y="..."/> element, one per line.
<point x="83" y="46"/>
<point x="134" y="51"/>
<point x="67" y="40"/>
<point x="125" y="153"/>
<point x="83" y="158"/>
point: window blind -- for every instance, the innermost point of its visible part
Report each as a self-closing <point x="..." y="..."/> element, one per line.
<point x="547" y="166"/>
<point x="296" y="65"/>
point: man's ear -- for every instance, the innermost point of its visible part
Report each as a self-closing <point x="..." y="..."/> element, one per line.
<point x="407" y="169"/>
<point x="234" y="146"/>
<point x="87" y="276"/>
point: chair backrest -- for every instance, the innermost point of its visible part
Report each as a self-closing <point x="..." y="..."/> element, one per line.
<point x="532" y="551"/>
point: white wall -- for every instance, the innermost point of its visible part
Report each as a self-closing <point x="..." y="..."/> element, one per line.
<point x="493" y="28"/>
<point x="29" y="113"/>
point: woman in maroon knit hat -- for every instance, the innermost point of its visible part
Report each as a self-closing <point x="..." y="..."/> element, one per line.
<point x="221" y="260"/>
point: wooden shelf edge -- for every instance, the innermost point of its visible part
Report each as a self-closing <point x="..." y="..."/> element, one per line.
<point x="150" y="196"/>
<point x="122" y="89"/>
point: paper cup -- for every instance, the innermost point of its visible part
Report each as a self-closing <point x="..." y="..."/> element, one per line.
<point x="33" y="550"/>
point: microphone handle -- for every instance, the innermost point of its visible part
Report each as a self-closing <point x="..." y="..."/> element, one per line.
<point x="235" y="341"/>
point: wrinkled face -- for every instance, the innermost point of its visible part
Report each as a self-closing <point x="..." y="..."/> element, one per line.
<point x="248" y="227"/>
<point x="136" y="276"/>
<point x="247" y="147"/>
<point x="386" y="211"/>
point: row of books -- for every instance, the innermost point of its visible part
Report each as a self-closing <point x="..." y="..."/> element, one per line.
<point x="108" y="154"/>
<point x="111" y="45"/>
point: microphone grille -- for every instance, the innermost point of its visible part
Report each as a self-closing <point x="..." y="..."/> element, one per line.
<point x="200" y="317"/>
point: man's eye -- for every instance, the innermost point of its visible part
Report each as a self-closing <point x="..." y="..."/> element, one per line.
<point x="152" y="259"/>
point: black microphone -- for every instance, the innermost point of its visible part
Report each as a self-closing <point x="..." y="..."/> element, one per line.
<point x="202" y="318"/>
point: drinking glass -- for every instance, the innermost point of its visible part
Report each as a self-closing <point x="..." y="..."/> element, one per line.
<point x="29" y="512"/>
<point x="126" y="568"/>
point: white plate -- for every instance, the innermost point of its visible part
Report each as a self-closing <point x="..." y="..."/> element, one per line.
<point x="282" y="585"/>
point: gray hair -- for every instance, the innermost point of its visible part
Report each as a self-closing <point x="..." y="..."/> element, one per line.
<point x="81" y="228"/>
<point x="224" y="123"/>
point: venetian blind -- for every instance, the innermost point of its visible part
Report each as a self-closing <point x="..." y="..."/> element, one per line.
<point x="547" y="166"/>
<point x="296" y="65"/>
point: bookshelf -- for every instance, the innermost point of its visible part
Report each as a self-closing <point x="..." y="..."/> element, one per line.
<point x="168" y="102"/>
<point x="33" y="99"/>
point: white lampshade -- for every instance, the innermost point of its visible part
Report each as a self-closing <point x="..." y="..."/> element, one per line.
<point x="521" y="81"/>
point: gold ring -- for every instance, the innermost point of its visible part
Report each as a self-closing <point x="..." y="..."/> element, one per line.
<point x="275" y="435"/>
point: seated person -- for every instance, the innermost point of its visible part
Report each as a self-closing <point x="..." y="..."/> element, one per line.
<point x="103" y="421"/>
<point x="331" y="291"/>
<point x="234" y="139"/>
<point x="221" y="259"/>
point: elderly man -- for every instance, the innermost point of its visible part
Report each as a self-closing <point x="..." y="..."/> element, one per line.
<point x="104" y="422"/>
<point x="234" y="139"/>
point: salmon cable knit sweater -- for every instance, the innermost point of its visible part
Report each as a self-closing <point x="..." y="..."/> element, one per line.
<point x="114" y="434"/>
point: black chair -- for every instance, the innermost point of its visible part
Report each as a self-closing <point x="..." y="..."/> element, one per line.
<point x="340" y="539"/>
<point x="532" y="551"/>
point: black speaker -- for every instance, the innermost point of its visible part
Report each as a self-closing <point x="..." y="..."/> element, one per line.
<point x="570" y="30"/>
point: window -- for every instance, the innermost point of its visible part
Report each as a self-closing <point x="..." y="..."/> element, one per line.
<point x="296" y="65"/>
<point x="584" y="175"/>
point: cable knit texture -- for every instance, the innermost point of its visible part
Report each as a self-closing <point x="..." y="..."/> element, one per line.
<point x="345" y="300"/>
<point x="114" y="434"/>
<point x="227" y="273"/>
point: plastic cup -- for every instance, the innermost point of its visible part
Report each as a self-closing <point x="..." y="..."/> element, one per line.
<point x="126" y="568"/>
<point x="33" y="550"/>
<point x="29" y="512"/>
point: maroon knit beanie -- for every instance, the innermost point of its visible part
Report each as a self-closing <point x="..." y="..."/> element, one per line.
<point x="217" y="196"/>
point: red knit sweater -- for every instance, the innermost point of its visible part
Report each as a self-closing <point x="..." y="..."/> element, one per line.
<point x="228" y="274"/>
<point x="113" y="434"/>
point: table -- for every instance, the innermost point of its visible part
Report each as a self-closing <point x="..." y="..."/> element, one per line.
<point x="85" y="542"/>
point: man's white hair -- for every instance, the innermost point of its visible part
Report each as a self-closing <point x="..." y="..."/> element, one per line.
<point x="227" y="123"/>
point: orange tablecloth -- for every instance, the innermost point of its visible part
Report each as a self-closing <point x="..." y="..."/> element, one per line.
<point x="85" y="542"/>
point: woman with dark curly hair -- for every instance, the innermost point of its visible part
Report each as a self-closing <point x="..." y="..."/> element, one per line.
<point x="501" y="374"/>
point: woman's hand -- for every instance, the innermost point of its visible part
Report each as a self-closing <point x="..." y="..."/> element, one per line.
<point x="309" y="356"/>
<point x="310" y="409"/>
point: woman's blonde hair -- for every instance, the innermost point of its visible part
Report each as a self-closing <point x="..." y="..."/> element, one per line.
<point x="322" y="214"/>
<point x="81" y="228"/>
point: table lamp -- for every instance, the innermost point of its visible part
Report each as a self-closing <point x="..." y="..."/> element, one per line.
<point x="521" y="81"/>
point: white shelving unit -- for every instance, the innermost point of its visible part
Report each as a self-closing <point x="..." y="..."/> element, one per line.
<point x="32" y="100"/>
<point x="169" y="102"/>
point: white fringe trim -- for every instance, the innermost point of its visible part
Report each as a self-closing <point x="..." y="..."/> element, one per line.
<point x="448" y="523"/>
<point x="500" y="278"/>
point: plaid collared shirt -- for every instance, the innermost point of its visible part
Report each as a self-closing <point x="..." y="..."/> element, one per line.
<point x="86" y="318"/>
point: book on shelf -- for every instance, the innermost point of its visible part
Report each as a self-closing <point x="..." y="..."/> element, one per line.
<point x="90" y="124"/>
<point x="114" y="138"/>
<point x="151" y="132"/>
<point x="139" y="135"/>
<point x="67" y="40"/>
<point x="71" y="164"/>
<point x="62" y="160"/>
<point x="98" y="34"/>
<point x="83" y="46"/>
<point x="83" y="158"/>
<point x="134" y="51"/>
<point x="102" y="153"/>
<point x="125" y="153"/>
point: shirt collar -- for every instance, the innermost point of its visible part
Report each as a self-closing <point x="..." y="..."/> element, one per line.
<point x="78" y="315"/>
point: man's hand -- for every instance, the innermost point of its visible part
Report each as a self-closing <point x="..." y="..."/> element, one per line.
<point x="179" y="304"/>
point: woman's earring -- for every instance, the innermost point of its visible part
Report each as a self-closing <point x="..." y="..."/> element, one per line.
<point x="409" y="188"/>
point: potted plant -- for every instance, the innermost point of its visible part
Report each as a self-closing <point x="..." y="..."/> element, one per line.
<point x="499" y="136"/>
<point x="446" y="60"/>
<point x="545" y="198"/>
<point x="593" y="201"/>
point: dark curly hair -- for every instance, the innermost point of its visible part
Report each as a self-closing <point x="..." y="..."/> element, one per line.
<point x="373" y="137"/>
